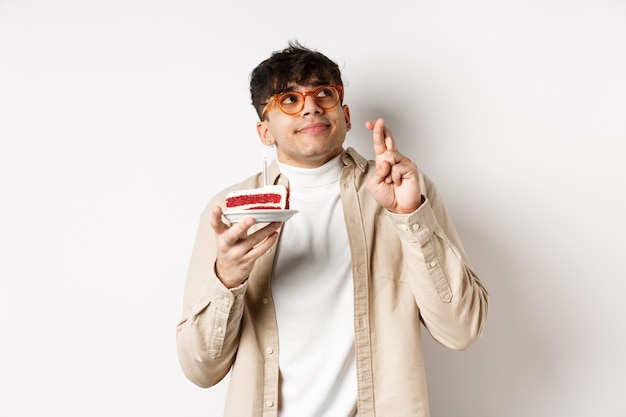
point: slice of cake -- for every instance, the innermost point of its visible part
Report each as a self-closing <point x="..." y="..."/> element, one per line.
<point x="270" y="197"/>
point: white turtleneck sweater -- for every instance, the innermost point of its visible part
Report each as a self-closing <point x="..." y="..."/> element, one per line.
<point x="313" y="295"/>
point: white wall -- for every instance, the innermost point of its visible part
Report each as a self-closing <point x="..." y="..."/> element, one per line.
<point x="115" y="115"/>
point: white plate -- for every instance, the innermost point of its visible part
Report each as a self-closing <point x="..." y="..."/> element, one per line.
<point x="261" y="216"/>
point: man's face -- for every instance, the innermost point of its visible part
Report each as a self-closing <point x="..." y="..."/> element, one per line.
<point x="309" y="138"/>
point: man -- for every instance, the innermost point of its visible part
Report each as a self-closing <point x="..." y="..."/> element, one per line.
<point x="321" y="315"/>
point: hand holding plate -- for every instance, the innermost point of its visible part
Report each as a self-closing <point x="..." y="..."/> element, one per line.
<point x="238" y="248"/>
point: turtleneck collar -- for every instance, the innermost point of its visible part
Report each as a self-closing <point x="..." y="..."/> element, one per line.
<point x="326" y="174"/>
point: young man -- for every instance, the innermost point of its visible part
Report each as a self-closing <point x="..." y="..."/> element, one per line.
<point x="321" y="315"/>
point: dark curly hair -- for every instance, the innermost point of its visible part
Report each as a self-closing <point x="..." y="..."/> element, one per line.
<point x="294" y="64"/>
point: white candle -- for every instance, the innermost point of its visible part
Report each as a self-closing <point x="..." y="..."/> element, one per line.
<point x="264" y="166"/>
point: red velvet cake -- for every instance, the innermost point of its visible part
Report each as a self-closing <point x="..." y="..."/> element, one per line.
<point x="270" y="197"/>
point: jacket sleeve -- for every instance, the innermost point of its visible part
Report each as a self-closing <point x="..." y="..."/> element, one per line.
<point x="207" y="336"/>
<point x="453" y="302"/>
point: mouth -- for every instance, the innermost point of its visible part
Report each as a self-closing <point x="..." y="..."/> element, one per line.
<point x="313" y="128"/>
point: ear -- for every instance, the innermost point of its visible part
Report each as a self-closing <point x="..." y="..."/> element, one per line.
<point x="346" y="113"/>
<point x="263" y="130"/>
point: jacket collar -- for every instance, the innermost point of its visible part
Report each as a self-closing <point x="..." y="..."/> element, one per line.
<point x="349" y="157"/>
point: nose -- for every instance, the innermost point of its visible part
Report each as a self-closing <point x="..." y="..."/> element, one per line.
<point x="310" y="106"/>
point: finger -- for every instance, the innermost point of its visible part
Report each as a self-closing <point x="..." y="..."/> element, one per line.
<point x="388" y="162"/>
<point x="216" y="222"/>
<point x="390" y="143"/>
<point x="378" y="135"/>
<point x="383" y="139"/>
<point x="262" y="234"/>
<point x="403" y="170"/>
<point x="397" y="172"/>
<point x="255" y="245"/>
<point x="263" y="247"/>
<point x="238" y="231"/>
<point x="381" y="173"/>
<point x="220" y="227"/>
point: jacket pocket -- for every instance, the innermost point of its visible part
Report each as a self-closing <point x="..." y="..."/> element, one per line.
<point x="387" y="260"/>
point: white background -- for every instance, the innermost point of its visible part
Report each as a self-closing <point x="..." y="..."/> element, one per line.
<point x="120" y="119"/>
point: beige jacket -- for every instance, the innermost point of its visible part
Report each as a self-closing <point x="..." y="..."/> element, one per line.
<point x="408" y="270"/>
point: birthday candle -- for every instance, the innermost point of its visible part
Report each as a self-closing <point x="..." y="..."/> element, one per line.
<point x="264" y="166"/>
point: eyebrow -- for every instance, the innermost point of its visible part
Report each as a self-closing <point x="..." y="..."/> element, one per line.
<point x="316" y="83"/>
